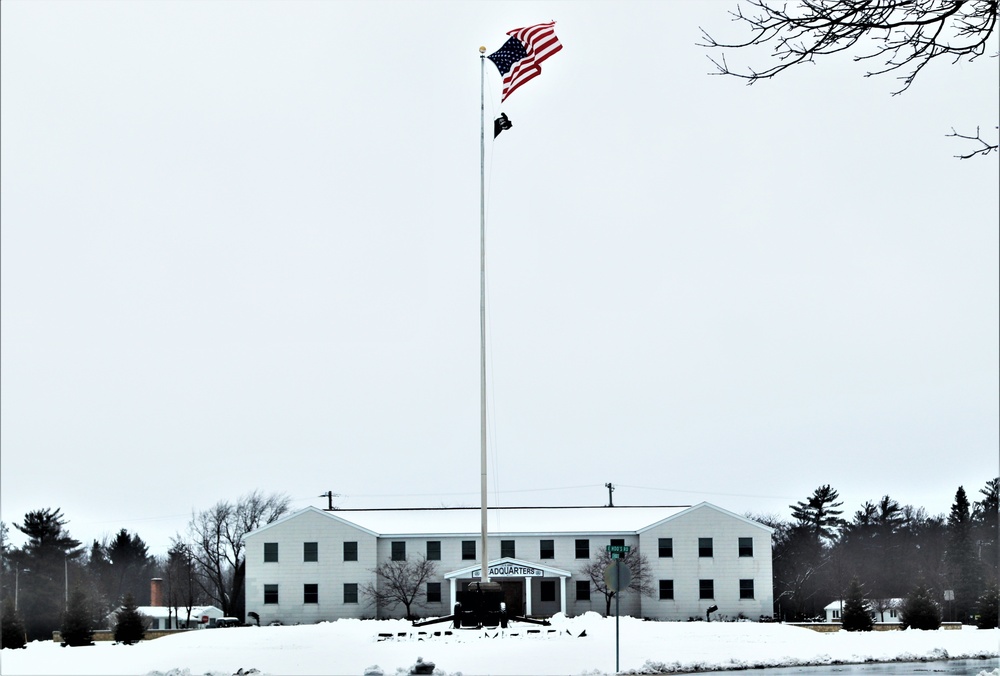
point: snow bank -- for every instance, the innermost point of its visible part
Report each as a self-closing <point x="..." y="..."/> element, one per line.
<point x="578" y="645"/>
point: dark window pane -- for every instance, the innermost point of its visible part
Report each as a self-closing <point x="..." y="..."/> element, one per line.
<point x="706" y="589"/>
<point x="507" y="548"/>
<point x="666" y="590"/>
<point x="666" y="548"/>
<point x="582" y="549"/>
<point x="746" y="589"/>
<point x="399" y="551"/>
<point x="468" y="550"/>
<point x="433" y="550"/>
<point x="310" y="593"/>
<point x="350" y="551"/>
<point x="583" y="590"/>
<point x="704" y="546"/>
<point x="548" y="590"/>
<point x="546" y="549"/>
<point x="310" y="551"/>
<point x="350" y="592"/>
<point x="433" y="592"/>
<point x="270" y="552"/>
<point x="746" y="546"/>
<point x="270" y="593"/>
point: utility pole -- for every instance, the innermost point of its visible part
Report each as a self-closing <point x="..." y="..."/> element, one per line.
<point x="330" y="495"/>
<point x="611" y="489"/>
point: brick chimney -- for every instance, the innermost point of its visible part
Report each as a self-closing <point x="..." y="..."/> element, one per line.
<point x="156" y="592"/>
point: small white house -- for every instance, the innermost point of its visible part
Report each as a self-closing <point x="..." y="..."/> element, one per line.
<point x="162" y="616"/>
<point x="885" y="611"/>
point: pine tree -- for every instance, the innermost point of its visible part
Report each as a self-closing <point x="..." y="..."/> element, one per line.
<point x="11" y="627"/>
<point x="919" y="610"/>
<point x="963" y="564"/>
<point x="77" y="627"/>
<point x="855" y="616"/>
<point x="129" y="624"/>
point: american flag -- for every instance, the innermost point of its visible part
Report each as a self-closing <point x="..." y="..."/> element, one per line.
<point x="520" y="59"/>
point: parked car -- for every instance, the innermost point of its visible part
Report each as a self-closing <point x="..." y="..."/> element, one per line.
<point x="227" y="622"/>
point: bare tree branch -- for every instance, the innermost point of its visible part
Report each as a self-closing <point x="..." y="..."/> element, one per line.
<point x="898" y="36"/>
<point x="985" y="149"/>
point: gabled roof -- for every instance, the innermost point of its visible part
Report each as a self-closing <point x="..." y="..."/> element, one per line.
<point x="507" y="562"/>
<point x="316" y="510"/>
<point x="708" y="505"/>
<point x="501" y="521"/>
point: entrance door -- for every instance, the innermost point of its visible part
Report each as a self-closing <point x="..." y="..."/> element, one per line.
<point x="513" y="596"/>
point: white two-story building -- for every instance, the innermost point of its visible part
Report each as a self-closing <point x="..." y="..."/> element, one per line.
<point x="315" y="565"/>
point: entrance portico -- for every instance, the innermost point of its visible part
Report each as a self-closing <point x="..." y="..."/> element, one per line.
<point x="510" y="570"/>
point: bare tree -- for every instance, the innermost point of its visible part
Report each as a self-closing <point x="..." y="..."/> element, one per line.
<point x="636" y="562"/>
<point x="217" y="545"/>
<point x="400" y="583"/>
<point x="895" y="36"/>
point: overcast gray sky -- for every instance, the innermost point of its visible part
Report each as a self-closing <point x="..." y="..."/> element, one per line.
<point x="240" y="250"/>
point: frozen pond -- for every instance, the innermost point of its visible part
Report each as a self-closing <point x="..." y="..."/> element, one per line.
<point x="945" y="668"/>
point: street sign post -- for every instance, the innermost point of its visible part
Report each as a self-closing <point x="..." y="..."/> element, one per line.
<point x="617" y="576"/>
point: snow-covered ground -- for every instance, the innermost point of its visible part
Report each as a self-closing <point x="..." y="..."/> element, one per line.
<point x="578" y="645"/>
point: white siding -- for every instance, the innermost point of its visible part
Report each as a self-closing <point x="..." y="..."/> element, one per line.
<point x="330" y="530"/>
<point x="725" y="567"/>
<point x="330" y="572"/>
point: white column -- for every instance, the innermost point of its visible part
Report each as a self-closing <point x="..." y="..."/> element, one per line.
<point x="454" y="596"/>
<point x="562" y="594"/>
<point x="527" y="596"/>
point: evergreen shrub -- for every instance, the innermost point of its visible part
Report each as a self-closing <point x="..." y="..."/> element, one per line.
<point x="77" y="626"/>
<point x="988" y="608"/>
<point x="855" y="616"/>
<point x="12" y="634"/>
<point x="920" y="611"/>
<point x="130" y="627"/>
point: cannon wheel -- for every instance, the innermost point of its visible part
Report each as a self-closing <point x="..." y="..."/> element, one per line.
<point x="458" y="616"/>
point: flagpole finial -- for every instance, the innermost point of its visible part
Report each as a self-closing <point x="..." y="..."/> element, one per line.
<point x="482" y="49"/>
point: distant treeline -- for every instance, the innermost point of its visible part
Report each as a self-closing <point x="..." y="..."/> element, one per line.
<point x="890" y="548"/>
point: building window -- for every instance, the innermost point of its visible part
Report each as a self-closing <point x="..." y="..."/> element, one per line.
<point x="468" y="550"/>
<point x="583" y="549"/>
<point x="836" y="614"/>
<point x="270" y="594"/>
<point x="666" y="547"/>
<point x="546" y="549"/>
<point x="350" y="592"/>
<point x="507" y="548"/>
<point x="746" y="589"/>
<point x="399" y="551"/>
<point x="705" y="547"/>
<point x="433" y="592"/>
<point x="350" y="551"/>
<point x="270" y="552"/>
<point x="746" y="546"/>
<point x="617" y="542"/>
<point x="433" y="550"/>
<point x="666" y="590"/>
<point x="310" y="593"/>
<point x="706" y="589"/>
<point x="583" y="590"/>
<point x="310" y="551"/>
<point x="548" y="590"/>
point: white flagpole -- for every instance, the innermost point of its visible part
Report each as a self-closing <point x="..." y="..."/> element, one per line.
<point x="485" y="577"/>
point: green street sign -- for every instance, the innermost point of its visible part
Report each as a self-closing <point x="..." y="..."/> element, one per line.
<point x="618" y="549"/>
